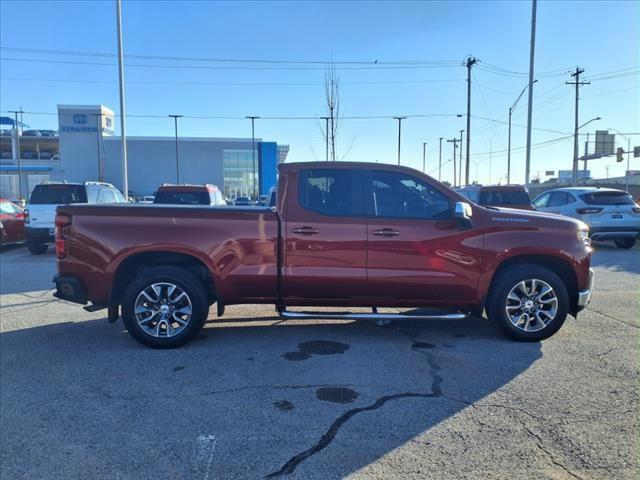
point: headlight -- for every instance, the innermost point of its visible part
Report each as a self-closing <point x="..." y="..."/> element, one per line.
<point x="583" y="236"/>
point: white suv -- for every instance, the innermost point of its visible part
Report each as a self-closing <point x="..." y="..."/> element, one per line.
<point x="40" y="214"/>
<point x="611" y="214"/>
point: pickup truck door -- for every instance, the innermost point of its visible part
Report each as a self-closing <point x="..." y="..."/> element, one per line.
<point x="325" y="249"/>
<point x="417" y="253"/>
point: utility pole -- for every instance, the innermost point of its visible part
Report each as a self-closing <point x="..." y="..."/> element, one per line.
<point x="253" y="155"/>
<point x="470" y="63"/>
<point x="123" y="130"/>
<point x="440" y="161"/>
<point x="424" y="157"/>
<point x="175" y="123"/>
<point x="460" y="173"/>
<point x="527" y="167"/>
<point x="326" y="138"/>
<point x="455" y="146"/>
<point x="16" y="130"/>
<point x="577" y="83"/>
<point x="399" y="134"/>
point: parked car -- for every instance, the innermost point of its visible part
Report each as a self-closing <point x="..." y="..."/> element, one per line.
<point x="146" y="199"/>
<point x="343" y="234"/>
<point x="262" y="200"/>
<point x="242" y="202"/>
<point x="189" y="195"/>
<point x="47" y="196"/>
<point x="611" y="214"/>
<point x="510" y="196"/>
<point x="11" y="223"/>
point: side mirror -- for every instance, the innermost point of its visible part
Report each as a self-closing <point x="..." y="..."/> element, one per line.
<point x="462" y="212"/>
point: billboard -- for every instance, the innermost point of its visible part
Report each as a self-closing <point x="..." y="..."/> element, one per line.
<point x="567" y="175"/>
<point x="605" y="142"/>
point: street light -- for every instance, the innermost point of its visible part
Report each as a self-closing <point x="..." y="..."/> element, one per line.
<point x="253" y="154"/>
<point x="424" y="157"/>
<point x="584" y="168"/>
<point x="399" y="133"/>
<point x="511" y="108"/>
<point x="175" y="124"/>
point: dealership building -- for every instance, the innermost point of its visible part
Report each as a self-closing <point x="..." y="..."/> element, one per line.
<point x="85" y="148"/>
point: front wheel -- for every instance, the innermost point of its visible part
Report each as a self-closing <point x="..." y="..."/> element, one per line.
<point x="164" y="307"/>
<point x="528" y="302"/>
<point x="625" y="243"/>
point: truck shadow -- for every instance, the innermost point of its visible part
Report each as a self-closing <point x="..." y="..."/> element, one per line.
<point x="291" y="400"/>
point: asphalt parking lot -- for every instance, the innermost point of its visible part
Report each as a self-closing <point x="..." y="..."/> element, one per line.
<point x="255" y="397"/>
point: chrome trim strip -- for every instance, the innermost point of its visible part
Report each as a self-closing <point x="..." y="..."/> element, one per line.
<point x="368" y="316"/>
<point x="584" y="296"/>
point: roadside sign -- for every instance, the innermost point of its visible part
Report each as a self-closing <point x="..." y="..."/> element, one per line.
<point x="550" y="173"/>
<point x="636" y="152"/>
<point x="605" y="143"/>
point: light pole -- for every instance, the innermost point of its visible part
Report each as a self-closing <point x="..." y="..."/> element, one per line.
<point x="175" y="123"/>
<point x="460" y="172"/>
<point x="326" y="138"/>
<point x="424" y="157"/>
<point x="584" y="169"/>
<point x="123" y="130"/>
<point x="511" y="109"/>
<point x="253" y="154"/>
<point x="16" y="131"/>
<point x="440" y="161"/>
<point x="399" y="134"/>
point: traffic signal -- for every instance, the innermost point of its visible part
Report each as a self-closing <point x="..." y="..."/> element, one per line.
<point x="619" y="154"/>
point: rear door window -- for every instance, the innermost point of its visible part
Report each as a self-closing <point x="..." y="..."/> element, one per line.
<point x="58" y="194"/>
<point x="330" y="192"/>
<point x="557" y="199"/>
<point x="607" y="198"/>
<point x="398" y="195"/>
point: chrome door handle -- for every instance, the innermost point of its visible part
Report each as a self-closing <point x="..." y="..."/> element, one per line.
<point x="305" y="231"/>
<point x="386" y="232"/>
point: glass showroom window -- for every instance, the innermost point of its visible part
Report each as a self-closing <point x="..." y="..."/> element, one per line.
<point x="240" y="174"/>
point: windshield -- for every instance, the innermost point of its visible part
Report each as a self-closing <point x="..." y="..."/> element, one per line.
<point x="607" y="198"/>
<point x="182" y="198"/>
<point x="504" y="197"/>
<point x="58" y="194"/>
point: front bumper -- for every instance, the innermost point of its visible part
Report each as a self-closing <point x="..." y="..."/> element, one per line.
<point x="70" y="289"/>
<point x="584" y="296"/>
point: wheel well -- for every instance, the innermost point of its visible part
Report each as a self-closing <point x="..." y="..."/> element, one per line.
<point x="560" y="267"/>
<point x="134" y="264"/>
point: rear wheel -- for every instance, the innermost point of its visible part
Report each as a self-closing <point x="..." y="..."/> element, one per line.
<point x="625" y="243"/>
<point x="528" y="302"/>
<point x="37" y="248"/>
<point x="164" y="307"/>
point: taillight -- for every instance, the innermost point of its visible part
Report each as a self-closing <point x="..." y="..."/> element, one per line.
<point x="584" y="211"/>
<point x="62" y="221"/>
<point x="26" y="215"/>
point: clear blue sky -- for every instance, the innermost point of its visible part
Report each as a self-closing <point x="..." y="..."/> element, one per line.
<point x="598" y="36"/>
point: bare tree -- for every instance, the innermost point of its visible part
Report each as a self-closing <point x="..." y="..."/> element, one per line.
<point x="332" y="98"/>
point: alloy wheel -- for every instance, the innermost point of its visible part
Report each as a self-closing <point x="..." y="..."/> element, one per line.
<point x="163" y="310"/>
<point x="531" y="305"/>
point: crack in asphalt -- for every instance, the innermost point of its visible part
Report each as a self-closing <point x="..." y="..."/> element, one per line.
<point x="333" y="430"/>
<point x="328" y="437"/>
<point x="613" y="318"/>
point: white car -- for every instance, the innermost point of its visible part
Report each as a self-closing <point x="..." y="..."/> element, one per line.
<point x="40" y="214"/>
<point x="611" y="214"/>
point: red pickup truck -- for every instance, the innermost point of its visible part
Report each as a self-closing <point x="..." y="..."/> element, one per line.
<point x="342" y="234"/>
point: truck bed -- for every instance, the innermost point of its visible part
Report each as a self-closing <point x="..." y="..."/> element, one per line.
<point x="237" y="245"/>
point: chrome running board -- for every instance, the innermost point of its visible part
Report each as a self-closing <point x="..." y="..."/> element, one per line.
<point x="369" y="316"/>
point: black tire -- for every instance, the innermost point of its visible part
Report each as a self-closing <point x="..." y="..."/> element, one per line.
<point x="508" y="279"/>
<point x="37" y="248"/>
<point x="625" y="243"/>
<point x="192" y="287"/>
